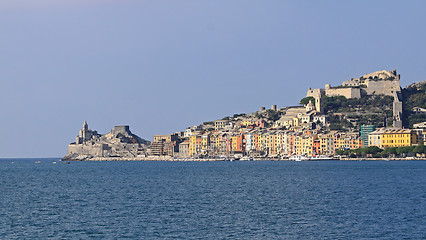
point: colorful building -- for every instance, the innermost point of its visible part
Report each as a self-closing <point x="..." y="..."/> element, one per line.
<point x="195" y="145"/>
<point x="365" y="130"/>
<point x="398" y="138"/>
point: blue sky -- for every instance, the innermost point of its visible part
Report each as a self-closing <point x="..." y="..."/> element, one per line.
<point x="162" y="66"/>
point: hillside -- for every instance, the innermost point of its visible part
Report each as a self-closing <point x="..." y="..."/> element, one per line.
<point x="349" y="114"/>
<point x="342" y="113"/>
<point x="414" y="97"/>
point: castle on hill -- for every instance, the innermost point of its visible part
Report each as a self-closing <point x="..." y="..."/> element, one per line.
<point x="120" y="142"/>
<point x="376" y="83"/>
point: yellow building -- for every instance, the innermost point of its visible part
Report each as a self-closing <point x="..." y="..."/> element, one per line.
<point x="205" y="144"/>
<point x="307" y="143"/>
<point x="220" y="124"/>
<point x="344" y="141"/>
<point x="298" y="145"/>
<point x="303" y="144"/>
<point x="398" y="138"/>
<point x="339" y="142"/>
<point x="221" y="140"/>
<point x="279" y="142"/>
<point x="248" y="123"/>
<point x="261" y="141"/>
<point x="326" y="144"/>
<point x="195" y="145"/>
<point x="234" y="143"/>
<point x="269" y="142"/>
<point x="275" y="142"/>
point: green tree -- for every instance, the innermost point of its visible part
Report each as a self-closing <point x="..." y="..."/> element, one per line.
<point x="239" y="115"/>
<point x="420" y="149"/>
<point x="306" y="100"/>
<point x="373" y="150"/>
<point x="403" y="151"/>
<point x="342" y="152"/>
<point x="414" y="96"/>
<point x="272" y="115"/>
<point x="391" y="151"/>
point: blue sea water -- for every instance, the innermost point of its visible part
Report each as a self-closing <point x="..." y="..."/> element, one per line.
<point x="212" y="200"/>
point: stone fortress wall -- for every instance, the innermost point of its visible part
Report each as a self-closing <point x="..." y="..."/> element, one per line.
<point x="119" y="142"/>
<point x="384" y="87"/>
<point x="376" y="83"/>
<point x="95" y="149"/>
<point x="380" y="82"/>
<point x="120" y="129"/>
<point x="346" y="92"/>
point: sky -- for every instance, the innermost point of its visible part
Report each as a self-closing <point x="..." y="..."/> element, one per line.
<point x="162" y="66"/>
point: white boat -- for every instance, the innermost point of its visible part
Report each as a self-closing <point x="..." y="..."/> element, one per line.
<point x="322" y="158"/>
<point x="246" y="158"/>
<point x="298" y="158"/>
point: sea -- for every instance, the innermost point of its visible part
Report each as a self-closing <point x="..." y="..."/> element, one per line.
<point x="212" y="200"/>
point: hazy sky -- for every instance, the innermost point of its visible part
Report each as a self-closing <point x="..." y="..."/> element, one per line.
<point x="162" y="66"/>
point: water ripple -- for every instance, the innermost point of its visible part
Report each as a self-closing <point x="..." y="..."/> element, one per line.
<point x="215" y="200"/>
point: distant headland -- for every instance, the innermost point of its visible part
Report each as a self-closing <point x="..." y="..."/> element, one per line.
<point x="119" y="143"/>
<point x="367" y="117"/>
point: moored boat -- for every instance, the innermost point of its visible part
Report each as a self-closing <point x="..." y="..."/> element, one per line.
<point x="298" y="158"/>
<point x="322" y="158"/>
